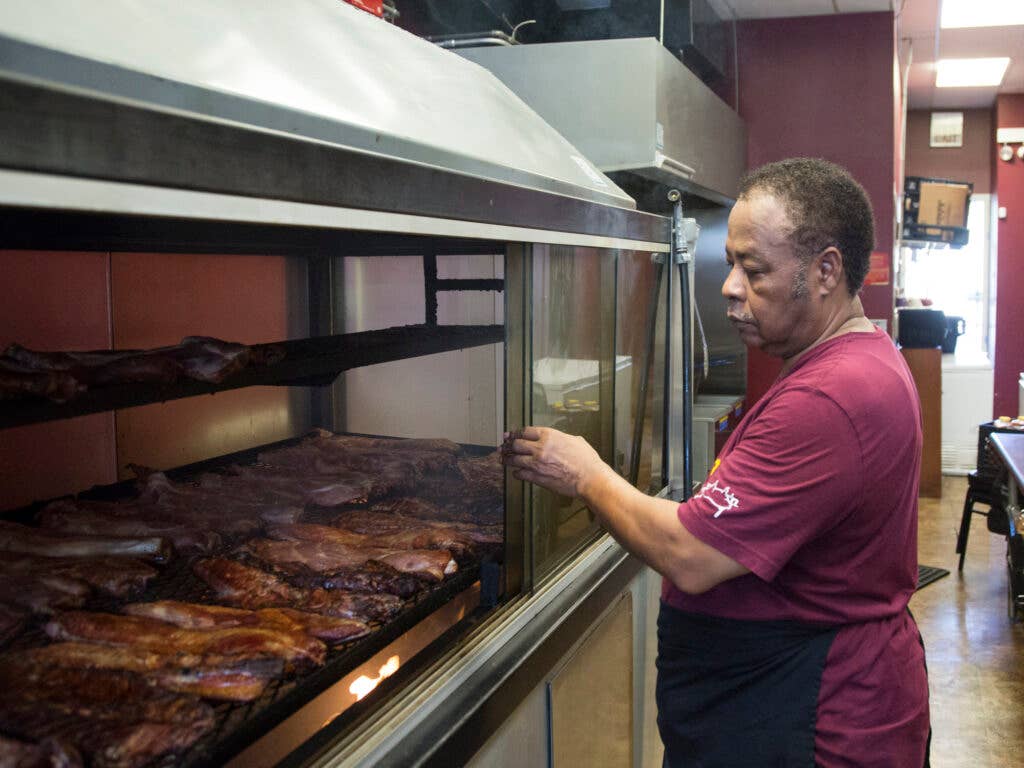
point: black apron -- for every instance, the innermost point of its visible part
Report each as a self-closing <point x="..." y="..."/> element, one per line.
<point x="738" y="694"/>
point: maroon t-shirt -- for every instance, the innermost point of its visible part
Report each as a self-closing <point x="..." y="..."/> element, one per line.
<point x="816" y="493"/>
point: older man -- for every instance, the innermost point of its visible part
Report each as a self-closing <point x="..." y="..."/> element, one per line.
<point x="784" y="635"/>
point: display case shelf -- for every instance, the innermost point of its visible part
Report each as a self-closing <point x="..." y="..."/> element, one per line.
<point x="306" y="362"/>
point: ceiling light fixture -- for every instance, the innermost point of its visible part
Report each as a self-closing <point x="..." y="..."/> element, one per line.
<point x="966" y="73"/>
<point x="981" y="13"/>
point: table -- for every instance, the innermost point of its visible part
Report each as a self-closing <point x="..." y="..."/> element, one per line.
<point x="1010" y="449"/>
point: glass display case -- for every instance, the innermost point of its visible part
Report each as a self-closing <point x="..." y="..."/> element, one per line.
<point x="414" y="310"/>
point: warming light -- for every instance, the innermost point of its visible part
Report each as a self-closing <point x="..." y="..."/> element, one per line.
<point x="362" y="685"/>
<point x="981" y="13"/>
<point x="964" y="73"/>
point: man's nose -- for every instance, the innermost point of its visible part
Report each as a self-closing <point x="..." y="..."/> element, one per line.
<point x="733" y="288"/>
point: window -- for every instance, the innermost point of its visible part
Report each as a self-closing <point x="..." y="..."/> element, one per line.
<point x="957" y="280"/>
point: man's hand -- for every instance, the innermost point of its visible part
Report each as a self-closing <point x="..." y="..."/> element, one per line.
<point x="551" y="459"/>
<point x="648" y="527"/>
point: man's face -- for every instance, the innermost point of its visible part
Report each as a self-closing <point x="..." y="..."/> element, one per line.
<point x="766" y="289"/>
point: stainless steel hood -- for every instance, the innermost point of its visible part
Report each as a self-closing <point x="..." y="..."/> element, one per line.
<point x="319" y="70"/>
<point x="631" y="107"/>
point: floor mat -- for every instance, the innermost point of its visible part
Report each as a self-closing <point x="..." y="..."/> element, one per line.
<point x="926" y="574"/>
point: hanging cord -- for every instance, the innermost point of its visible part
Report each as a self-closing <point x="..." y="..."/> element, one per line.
<point x="700" y="327"/>
<point x="520" y="24"/>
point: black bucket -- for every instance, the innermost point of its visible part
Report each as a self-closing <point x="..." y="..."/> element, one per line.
<point x="955" y="327"/>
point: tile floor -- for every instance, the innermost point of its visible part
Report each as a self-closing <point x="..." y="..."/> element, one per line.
<point x="975" y="654"/>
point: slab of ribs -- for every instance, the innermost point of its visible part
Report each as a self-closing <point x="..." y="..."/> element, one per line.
<point x="312" y="546"/>
<point x="61" y="376"/>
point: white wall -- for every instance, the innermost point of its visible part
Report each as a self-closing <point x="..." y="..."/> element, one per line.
<point x="966" y="403"/>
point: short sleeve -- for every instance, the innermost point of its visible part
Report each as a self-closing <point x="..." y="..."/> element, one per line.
<point x="793" y="475"/>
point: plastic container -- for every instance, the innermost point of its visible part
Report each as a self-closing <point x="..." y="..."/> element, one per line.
<point x="921" y="328"/>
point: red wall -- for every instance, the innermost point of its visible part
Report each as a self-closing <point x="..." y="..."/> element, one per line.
<point x="82" y="301"/>
<point x="824" y="86"/>
<point x="55" y="301"/>
<point x="972" y="162"/>
<point x="1009" y="178"/>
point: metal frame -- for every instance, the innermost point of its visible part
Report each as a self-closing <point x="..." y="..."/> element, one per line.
<point x="117" y="141"/>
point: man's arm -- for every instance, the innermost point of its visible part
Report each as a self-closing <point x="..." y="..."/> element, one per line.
<point x="646" y="526"/>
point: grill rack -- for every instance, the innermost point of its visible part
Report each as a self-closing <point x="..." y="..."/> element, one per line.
<point x="238" y="724"/>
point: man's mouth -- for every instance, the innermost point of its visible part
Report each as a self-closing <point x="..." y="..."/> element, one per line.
<point x="740" y="320"/>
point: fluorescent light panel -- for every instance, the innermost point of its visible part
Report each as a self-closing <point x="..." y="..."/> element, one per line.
<point x="981" y="13"/>
<point x="966" y="73"/>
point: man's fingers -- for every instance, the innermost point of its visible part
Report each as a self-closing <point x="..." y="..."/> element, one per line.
<point x="516" y="460"/>
<point x="523" y="433"/>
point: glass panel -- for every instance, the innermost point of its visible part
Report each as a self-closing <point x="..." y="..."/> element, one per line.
<point x="638" y="292"/>
<point x="457" y="395"/>
<point x="572" y="365"/>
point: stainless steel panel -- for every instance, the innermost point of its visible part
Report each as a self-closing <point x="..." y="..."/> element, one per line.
<point x="319" y="69"/>
<point x="591" y="696"/>
<point x="629" y="105"/>
<point x="423" y="715"/>
<point x="48" y="130"/>
<point x="285" y="223"/>
<point x="726" y="365"/>
<point x="521" y="740"/>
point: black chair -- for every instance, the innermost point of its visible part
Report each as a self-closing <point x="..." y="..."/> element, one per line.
<point x="985" y="486"/>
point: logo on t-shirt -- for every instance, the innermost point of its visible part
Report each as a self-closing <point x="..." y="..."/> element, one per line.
<point x="721" y="497"/>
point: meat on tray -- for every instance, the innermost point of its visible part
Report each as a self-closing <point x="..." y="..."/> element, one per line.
<point x="329" y="629"/>
<point x="395" y="465"/>
<point x="253" y="588"/>
<point x="12" y="621"/>
<point x="224" y="678"/>
<point x="420" y="537"/>
<point x="312" y="565"/>
<point x="208" y="505"/>
<point x="43" y="594"/>
<point x="116" y="719"/>
<point x="360" y="452"/>
<point x="17" y="381"/>
<point x="62" y="375"/>
<point x="482" y="475"/>
<point x="116" y="576"/>
<point x="48" y="753"/>
<point x="36" y="541"/>
<point x="270" y="485"/>
<point x="409" y="513"/>
<point x="300" y="548"/>
<point x="295" y="648"/>
<point x="98" y="518"/>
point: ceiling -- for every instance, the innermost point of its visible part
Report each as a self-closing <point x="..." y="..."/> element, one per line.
<point x="922" y="43"/>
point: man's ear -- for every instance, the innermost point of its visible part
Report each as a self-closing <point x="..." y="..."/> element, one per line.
<point x="829" y="268"/>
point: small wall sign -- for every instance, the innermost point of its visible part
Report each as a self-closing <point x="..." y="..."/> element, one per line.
<point x="947" y="129"/>
<point x="878" y="272"/>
